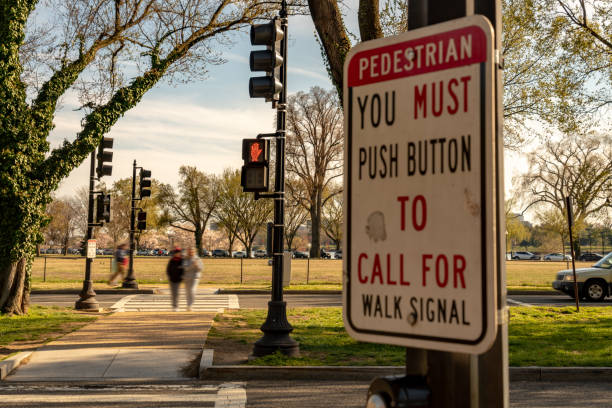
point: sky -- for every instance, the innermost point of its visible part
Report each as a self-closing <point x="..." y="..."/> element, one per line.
<point x="202" y="123"/>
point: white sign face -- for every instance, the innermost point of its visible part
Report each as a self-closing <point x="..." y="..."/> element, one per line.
<point x="91" y="248"/>
<point x="419" y="264"/>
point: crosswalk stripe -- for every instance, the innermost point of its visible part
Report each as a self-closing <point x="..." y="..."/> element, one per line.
<point x="154" y="303"/>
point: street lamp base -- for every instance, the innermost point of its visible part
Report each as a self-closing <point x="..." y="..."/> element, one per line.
<point x="87" y="299"/>
<point x="276" y="331"/>
<point x="130" y="283"/>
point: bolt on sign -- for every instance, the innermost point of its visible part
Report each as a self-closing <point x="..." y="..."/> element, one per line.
<point x="419" y="269"/>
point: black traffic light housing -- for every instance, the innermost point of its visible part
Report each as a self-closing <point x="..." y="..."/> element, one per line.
<point x="103" y="208"/>
<point x="105" y="156"/>
<point x="269" y="60"/>
<point x="145" y="183"/>
<point x="255" y="172"/>
<point x="142" y="220"/>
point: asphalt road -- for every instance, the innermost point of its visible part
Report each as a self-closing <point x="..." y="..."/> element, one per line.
<point x="295" y="300"/>
<point x="269" y="394"/>
<point x="68" y="300"/>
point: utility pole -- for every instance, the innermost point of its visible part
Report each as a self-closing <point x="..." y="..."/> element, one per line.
<point x="273" y="87"/>
<point x="130" y="280"/>
<point x="87" y="300"/>
<point x="485" y="377"/>
<point x="144" y="191"/>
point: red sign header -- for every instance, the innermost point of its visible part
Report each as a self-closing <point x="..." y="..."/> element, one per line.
<point x="451" y="49"/>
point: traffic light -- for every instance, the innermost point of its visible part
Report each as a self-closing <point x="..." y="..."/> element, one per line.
<point x="268" y="60"/>
<point x="145" y="183"/>
<point x="103" y="208"/>
<point x="105" y="156"/>
<point x="256" y="156"/>
<point x="142" y="220"/>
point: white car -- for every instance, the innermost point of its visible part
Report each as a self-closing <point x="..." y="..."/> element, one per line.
<point x="524" y="255"/>
<point x="239" y="254"/>
<point x="557" y="257"/>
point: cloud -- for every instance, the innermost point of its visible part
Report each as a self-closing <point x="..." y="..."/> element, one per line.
<point x="163" y="135"/>
<point x="319" y="74"/>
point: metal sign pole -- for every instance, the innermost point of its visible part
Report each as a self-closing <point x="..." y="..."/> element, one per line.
<point x="570" y="223"/>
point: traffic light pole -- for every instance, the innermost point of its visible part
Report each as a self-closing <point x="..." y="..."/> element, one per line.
<point x="87" y="300"/>
<point x="130" y="280"/>
<point x="276" y="328"/>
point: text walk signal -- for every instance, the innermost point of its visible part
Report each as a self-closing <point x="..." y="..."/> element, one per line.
<point x="256" y="156"/>
<point x="142" y="220"/>
<point x="145" y="183"/>
<point x="268" y="60"/>
<point x="103" y="208"/>
<point x="105" y="156"/>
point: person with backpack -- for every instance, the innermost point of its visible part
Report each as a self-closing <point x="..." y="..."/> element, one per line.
<point x="174" y="270"/>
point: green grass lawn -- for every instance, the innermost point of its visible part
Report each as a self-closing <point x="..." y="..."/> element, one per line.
<point x="549" y="336"/>
<point x="538" y="336"/>
<point x="40" y="324"/>
<point x="67" y="272"/>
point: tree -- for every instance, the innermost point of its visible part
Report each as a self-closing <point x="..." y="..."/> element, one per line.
<point x="62" y="225"/>
<point x="314" y="153"/>
<point x="332" y="219"/>
<point x="295" y="215"/>
<point x="192" y="207"/>
<point x="121" y="206"/>
<point x="554" y="222"/>
<point x="90" y="49"/>
<point x="578" y="167"/>
<point x="240" y="210"/>
<point x="549" y="68"/>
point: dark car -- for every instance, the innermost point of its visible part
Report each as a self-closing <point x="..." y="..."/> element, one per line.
<point x="301" y="254"/>
<point x="590" y="256"/>
<point x="205" y="253"/>
<point x="220" y="253"/>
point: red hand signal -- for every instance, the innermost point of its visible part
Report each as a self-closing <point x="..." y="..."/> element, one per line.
<point x="255" y="152"/>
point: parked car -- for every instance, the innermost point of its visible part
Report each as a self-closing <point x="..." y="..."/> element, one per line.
<point x="205" y="252"/>
<point x="220" y="253"/>
<point x="556" y="256"/>
<point x="327" y="254"/>
<point x="594" y="283"/>
<point x="239" y="254"/>
<point x="107" y="252"/>
<point x="338" y="254"/>
<point x="524" y="255"/>
<point x="301" y="255"/>
<point x="590" y="256"/>
<point x="260" y="253"/>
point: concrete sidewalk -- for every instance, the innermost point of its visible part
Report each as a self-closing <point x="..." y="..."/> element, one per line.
<point x="135" y="346"/>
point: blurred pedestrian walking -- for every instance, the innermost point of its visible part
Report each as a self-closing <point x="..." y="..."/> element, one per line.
<point x="192" y="270"/>
<point x="174" y="270"/>
<point x="120" y="263"/>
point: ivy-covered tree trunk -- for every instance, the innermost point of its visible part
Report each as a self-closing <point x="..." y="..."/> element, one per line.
<point x="27" y="175"/>
<point x="29" y="171"/>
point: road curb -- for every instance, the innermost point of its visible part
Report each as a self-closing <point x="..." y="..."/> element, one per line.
<point x="518" y="292"/>
<point x="285" y="292"/>
<point x="98" y="291"/>
<point x="249" y="373"/>
<point x="339" y="292"/>
<point x="11" y="363"/>
<point x="600" y="374"/>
